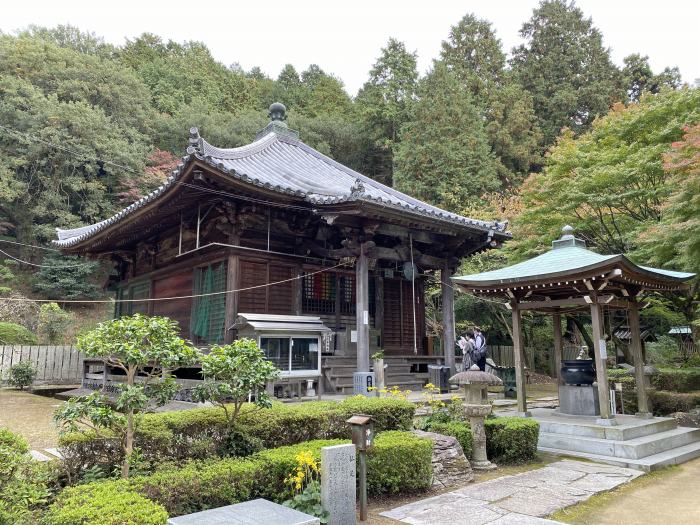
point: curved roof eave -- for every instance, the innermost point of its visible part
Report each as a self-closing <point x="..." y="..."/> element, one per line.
<point x="217" y="157"/>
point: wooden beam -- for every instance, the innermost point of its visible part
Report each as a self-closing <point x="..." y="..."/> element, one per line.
<point x="448" y="317"/>
<point x="519" y="360"/>
<point x="572" y="301"/>
<point x="636" y="347"/>
<point x="558" y="347"/>
<point x="601" y="365"/>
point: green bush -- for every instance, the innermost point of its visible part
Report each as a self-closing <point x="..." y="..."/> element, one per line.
<point x="664" y="403"/>
<point x="203" y="433"/>
<point x="16" y="334"/>
<point x="104" y="503"/>
<point x="511" y="439"/>
<point x="399" y="462"/>
<point x="24" y="483"/>
<point x="22" y="374"/>
<point x="677" y="379"/>
<point x="458" y="429"/>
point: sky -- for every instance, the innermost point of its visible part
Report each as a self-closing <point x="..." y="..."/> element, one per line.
<point x="345" y="38"/>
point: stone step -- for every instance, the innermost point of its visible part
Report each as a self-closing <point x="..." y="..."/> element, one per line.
<point x="638" y="428"/>
<point x="674" y="456"/>
<point x="635" y="448"/>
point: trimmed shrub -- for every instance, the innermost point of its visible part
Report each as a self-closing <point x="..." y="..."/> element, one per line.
<point x="203" y="433"/>
<point x="24" y="483"/>
<point x="104" y="503"/>
<point x="511" y="439"/>
<point x="458" y="429"/>
<point x="399" y="462"/>
<point x="664" y="403"/>
<point x="677" y="379"/>
<point x="16" y="334"/>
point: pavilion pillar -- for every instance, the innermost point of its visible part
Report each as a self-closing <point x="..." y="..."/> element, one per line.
<point x="362" y="309"/>
<point x="448" y="317"/>
<point x="601" y="364"/>
<point x="636" y="347"/>
<point x="558" y="346"/>
<point x="519" y="360"/>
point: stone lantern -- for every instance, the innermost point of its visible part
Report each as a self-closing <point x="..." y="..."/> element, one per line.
<point x="476" y="408"/>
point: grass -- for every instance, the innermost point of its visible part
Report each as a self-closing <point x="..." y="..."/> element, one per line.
<point x="581" y="513"/>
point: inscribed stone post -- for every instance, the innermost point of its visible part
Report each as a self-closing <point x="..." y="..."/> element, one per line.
<point x="338" y="481"/>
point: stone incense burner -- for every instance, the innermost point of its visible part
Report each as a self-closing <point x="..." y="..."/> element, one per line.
<point x="476" y="408"/>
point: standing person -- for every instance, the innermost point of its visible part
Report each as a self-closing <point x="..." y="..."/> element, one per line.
<point x="466" y="343"/>
<point x="480" y="350"/>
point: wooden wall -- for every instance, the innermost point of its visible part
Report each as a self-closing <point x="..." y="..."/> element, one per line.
<point x="180" y="310"/>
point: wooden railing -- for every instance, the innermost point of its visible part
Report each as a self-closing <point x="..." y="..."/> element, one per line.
<point x="56" y="365"/>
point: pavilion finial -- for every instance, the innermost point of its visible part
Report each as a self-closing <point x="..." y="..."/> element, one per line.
<point x="568" y="239"/>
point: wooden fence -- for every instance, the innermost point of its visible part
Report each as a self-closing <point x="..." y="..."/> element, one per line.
<point x="56" y="365"/>
<point x="503" y="355"/>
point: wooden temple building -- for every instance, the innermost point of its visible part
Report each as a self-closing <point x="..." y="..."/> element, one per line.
<point x="277" y="241"/>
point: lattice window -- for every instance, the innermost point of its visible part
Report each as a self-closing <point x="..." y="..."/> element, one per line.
<point x="318" y="293"/>
<point x="141" y="290"/>
<point x="207" y="323"/>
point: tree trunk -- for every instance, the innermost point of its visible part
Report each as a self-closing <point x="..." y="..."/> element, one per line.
<point x="129" y="447"/>
<point x="584" y="334"/>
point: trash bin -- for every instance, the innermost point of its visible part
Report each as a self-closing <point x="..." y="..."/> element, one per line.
<point x="361" y="381"/>
<point x="440" y="377"/>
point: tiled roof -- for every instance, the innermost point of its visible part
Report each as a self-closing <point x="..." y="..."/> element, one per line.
<point x="282" y="163"/>
<point x="567" y="257"/>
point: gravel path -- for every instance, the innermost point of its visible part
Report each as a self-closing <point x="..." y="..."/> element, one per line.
<point x="29" y="415"/>
<point x="521" y="499"/>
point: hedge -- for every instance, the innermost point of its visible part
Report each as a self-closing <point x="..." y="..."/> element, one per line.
<point x="104" y="503"/>
<point x="665" y="403"/>
<point x="677" y="379"/>
<point x="399" y="461"/>
<point x="512" y="439"/>
<point x="201" y="433"/>
<point x="508" y="439"/>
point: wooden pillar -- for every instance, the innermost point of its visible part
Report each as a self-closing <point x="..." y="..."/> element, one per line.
<point x="636" y="347"/>
<point x="601" y="364"/>
<point x="519" y="360"/>
<point x="448" y="317"/>
<point x="362" y="310"/>
<point x="558" y="346"/>
<point x="232" y="282"/>
<point x="379" y="307"/>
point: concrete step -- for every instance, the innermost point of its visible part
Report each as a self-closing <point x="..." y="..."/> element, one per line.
<point x="638" y="428"/>
<point x="635" y="448"/>
<point x="674" y="456"/>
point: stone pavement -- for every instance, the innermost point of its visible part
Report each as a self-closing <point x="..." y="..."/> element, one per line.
<point x="521" y="499"/>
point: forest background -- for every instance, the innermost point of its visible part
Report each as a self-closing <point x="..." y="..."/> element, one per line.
<point x="549" y="133"/>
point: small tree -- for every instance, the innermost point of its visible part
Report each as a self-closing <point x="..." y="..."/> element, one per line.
<point x="232" y="373"/>
<point x="147" y="349"/>
<point x="22" y="374"/>
<point x="53" y="322"/>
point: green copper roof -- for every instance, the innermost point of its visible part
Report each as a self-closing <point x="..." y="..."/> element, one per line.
<point x="567" y="258"/>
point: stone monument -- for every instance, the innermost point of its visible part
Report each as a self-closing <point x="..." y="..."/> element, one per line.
<point x="338" y="482"/>
<point x="251" y="512"/>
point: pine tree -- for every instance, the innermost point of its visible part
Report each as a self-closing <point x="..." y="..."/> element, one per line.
<point x="386" y="104"/>
<point x="474" y="54"/>
<point x="444" y="155"/>
<point x="639" y="78"/>
<point x="565" y="67"/>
